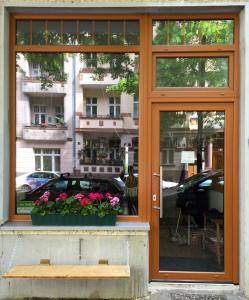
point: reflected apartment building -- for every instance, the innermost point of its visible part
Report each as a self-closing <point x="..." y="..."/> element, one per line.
<point x="94" y="131"/>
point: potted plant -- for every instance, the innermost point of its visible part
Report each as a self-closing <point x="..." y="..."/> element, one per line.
<point x="93" y="209"/>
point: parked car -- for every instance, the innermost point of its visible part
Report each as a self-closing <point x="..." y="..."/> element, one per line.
<point x="192" y="195"/>
<point x="73" y="185"/>
<point x="33" y="180"/>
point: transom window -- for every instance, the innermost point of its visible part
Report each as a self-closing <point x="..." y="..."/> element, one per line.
<point x="77" y="32"/>
<point x="193" y="32"/>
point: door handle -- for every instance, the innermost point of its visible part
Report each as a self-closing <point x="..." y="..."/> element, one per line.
<point x="160" y="175"/>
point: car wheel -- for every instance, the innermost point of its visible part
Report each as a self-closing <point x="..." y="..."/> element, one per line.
<point x="25" y="188"/>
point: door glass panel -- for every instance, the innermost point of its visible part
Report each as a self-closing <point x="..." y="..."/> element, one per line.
<point x="192" y="72"/>
<point x="192" y="191"/>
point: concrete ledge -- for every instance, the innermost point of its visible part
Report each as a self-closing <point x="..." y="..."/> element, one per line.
<point x="121" y="228"/>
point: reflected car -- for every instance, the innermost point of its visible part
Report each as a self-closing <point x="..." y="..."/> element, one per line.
<point x="74" y="185"/>
<point x="193" y="195"/>
<point x="33" y="180"/>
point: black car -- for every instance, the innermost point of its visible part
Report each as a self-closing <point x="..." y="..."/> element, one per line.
<point x="74" y="185"/>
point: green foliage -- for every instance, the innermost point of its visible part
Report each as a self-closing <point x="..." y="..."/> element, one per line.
<point x="119" y="65"/>
<point x="193" y="32"/>
<point x="51" y="67"/>
<point x="192" y="72"/>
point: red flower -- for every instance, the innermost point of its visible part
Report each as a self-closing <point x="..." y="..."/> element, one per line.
<point x="38" y="202"/>
<point x="108" y="195"/>
<point x="84" y="201"/>
<point x="95" y="196"/>
<point x="63" y="195"/>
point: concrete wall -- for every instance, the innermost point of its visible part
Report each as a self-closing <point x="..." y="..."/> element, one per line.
<point x="75" y="246"/>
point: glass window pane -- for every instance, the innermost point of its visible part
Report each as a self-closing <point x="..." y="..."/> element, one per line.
<point x="38" y="163"/>
<point x="192" y="72"/>
<point x="38" y="33"/>
<point x="101" y="33"/>
<point x="47" y="163"/>
<point x="69" y="32"/>
<point x="111" y="111"/>
<point x="193" y="191"/>
<point x="105" y="148"/>
<point x="23" y="32"/>
<point x="117" y="32"/>
<point x="54" y="32"/>
<point x="132" y="33"/>
<point x="57" y="163"/>
<point x="85" y="32"/>
<point x="193" y="32"/>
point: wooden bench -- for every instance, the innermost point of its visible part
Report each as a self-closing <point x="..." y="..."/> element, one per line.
<point x="69" y="271"/>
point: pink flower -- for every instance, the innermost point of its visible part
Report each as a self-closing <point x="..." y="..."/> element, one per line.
<point x="63" y="196"/>
<point x="114" y="201"/>
<point x="45" y="196"/>
<point x="108" y="195"/>
<point x="79" y="196"/>
<point x="84" y="201"/>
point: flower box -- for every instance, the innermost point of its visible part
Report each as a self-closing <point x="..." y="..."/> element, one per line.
<point x="94" y="209"/>
<point x="73" y="220"/>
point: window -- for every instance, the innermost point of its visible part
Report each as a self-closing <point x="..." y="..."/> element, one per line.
<point x="35" y="70"/>
<point x="192" y="72"/>
<point x="47" y="160"/>
<point x="167" y="156"/>
<point x="91" y="107"/>
<point x="77" y="32"/>
<point x="193" y="32"/>
<point x="39" y="114"/>
<point x="114" y="105"/>
<point x="135" y="107"/>
<point x="59" y="114"/>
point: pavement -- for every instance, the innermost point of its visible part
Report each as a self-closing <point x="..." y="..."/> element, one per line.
<point x="194" y="291"/>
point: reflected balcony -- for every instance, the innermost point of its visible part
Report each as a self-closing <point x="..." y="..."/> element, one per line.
<point x="32" y="86"/>
<point x="53" y="133"/>
<point x="101" y="122"/>
<point x="86" y="78"/>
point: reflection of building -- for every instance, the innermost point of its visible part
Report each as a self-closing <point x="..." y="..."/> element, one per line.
<point x="181" y="142"/>
<point x="105" y="125"/>
<point x="76" y="119"/>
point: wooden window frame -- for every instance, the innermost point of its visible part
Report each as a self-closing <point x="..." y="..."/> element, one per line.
<point x="15" y="48"/>
<point x="194" y="91"/>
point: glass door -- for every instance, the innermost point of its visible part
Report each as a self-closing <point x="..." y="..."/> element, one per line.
<point x="191" y="192"/>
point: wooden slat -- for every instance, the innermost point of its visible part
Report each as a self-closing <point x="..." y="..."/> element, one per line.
<point x="69" y="271"/>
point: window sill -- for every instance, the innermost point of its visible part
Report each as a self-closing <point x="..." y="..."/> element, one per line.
<point x="120" y="228"/>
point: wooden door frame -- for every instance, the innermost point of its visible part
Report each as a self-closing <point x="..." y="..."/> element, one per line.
<point x="230" y="218"/>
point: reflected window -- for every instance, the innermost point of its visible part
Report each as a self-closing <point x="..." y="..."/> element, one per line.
<point x="91" y="107"/>
<point x="114" y="105"/>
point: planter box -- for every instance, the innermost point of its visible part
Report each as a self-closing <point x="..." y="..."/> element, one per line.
<point x="73" y="220"/>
